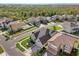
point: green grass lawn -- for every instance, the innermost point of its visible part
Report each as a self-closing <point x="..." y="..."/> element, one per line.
<point x="54" y="27"/>
<point x="25" y="42"/>
<point x="1" y="50"/>
<point x="19" y="47"/>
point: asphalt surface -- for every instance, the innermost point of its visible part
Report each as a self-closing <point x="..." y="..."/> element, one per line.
<point x="10" y="45"/>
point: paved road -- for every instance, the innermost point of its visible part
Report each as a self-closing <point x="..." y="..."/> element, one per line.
<point x="9" y="48"/>
<point x="10" y="45"/>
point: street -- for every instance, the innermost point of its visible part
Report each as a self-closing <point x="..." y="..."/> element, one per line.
<point x="10" y="45"/>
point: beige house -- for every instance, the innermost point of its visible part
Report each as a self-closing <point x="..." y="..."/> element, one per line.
<point x="15" y="26"/>
<point x="60" y="41"/>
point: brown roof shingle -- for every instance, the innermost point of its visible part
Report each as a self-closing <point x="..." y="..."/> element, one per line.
<point x="63" y="40"/>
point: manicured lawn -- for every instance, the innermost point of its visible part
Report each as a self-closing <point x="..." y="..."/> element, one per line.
<point x="55" y="27"/>
<point x="19" y="47"/>
<point x="75" y="33"/>
<point x="1" y="50"/>
<point x="25" y="42"/>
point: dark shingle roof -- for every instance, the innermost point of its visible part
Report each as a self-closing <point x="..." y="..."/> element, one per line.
<point x="44" y="38"/>
<point x="43" y="34"/>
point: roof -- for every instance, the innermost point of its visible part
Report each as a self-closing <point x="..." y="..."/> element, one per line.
<point x="43" y="34"/>
<point x="45" y="38"/>
<point x="16" y="25"/>
<point x="60" y="39"/>
<point x="5" y="19"/>
<point x="73" y="24"/>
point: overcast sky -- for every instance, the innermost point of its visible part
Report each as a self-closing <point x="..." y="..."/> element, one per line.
<point x="38" y="1"/>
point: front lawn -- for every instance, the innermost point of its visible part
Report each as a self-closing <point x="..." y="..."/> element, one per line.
<point x="55" y="27"/>
<point x="25" y="42"/>
<point x="1" y="50"/>
<point x="19" y="47"/>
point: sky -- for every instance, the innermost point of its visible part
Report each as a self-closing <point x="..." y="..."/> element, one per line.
<point x="38" y="1"/>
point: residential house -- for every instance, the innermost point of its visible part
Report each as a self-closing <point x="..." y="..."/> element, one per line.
<point x="49" y="19"/>
<point x="33" y="21"/>
<point x="42" y="19"/>
<point x="38" y="20"/>
<point x="71" y="26"/>
<point x="77" y="16"/>
<point x="54" y="17"/>
<point x="62" y="18"/>
<point x="15" y="26"/>
<point x="4" y="21"/>
<point x="70" y="17"/>
<point x="59" y="43"/>
<point x="41" y="36"/>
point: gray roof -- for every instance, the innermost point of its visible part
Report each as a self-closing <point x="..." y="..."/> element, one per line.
<point x="43" y="34"/>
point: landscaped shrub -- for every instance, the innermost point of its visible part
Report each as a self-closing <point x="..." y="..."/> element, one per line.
<point x="1" y="50"/>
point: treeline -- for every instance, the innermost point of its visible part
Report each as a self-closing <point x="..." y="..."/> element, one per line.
<point x="22" y="13"/>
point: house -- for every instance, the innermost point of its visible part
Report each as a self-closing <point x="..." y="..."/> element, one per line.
<point x="59" y="43"/>
<point x="58" y="17"/>
<point x="62" y="18"/>
<point x="15" y="26"/>
<point x="70" y="26"/>
<point x="34" y="21"/>
<point x="54" y="17"/>
<point x="49" y="19"/>
<point x="41" y="36"/>
<point x="37" y="20"/>
<point x="77" y="16"/>
<point x="4" y="21"/>
<point x="70" y="17"/>
<point x="42" y="19"/>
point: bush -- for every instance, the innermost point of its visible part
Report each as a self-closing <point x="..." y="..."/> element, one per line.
<point x="74" y="52"/>
<point x="1" y="50"/>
